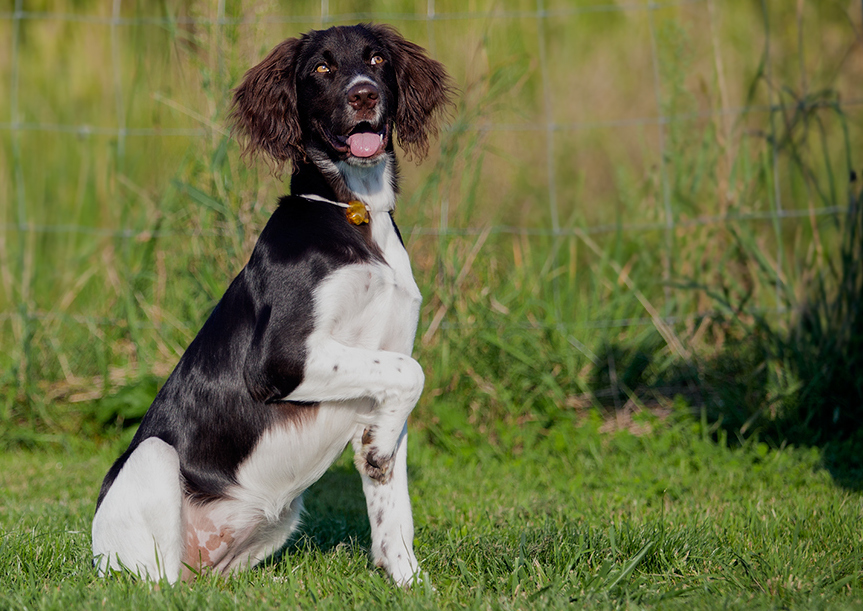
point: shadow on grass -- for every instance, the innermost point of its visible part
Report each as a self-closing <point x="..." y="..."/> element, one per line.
<point x="334" y="516"/>
<point x="796" y="380"/>
<point x="736" y="391"/>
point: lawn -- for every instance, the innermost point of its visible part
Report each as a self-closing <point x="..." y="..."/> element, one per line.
<point x="651" y="512"/>
<point x="640" y="246"/>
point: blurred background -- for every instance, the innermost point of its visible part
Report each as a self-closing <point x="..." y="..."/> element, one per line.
<point x="637" y="206"/>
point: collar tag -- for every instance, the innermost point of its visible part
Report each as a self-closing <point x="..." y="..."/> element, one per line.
<point x="357" y="212"/>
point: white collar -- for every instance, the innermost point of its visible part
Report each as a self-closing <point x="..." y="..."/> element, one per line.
<point x="351" y="208"/>
<point x="323" y="199"/>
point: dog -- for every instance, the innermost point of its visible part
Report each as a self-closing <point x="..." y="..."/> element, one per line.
<point x="309" y="348"/>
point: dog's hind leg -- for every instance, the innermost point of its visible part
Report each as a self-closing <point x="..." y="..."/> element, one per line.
<point x="139" y="524"/>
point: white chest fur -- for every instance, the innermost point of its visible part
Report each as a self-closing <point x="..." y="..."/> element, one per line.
<point x="375" y="305"/>
<point x="365" y="319"/>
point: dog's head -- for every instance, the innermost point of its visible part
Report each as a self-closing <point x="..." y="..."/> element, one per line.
<point x="340" y="93"/>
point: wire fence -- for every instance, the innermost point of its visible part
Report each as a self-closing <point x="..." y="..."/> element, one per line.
<point x="20" y="223"/>
<point x="549" y="129"/>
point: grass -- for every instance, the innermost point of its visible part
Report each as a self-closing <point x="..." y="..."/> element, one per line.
<point x="621" y="413"/>
<point x="115" y="246"/>
<point x="652" y="514"/>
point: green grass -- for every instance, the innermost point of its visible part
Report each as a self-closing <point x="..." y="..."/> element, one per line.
<point x="114" y="248"/>
<point x="581" y="516"/>
<point x="531" y="342"/>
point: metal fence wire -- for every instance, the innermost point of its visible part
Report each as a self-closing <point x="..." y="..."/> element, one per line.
<point x="649" y="92"/>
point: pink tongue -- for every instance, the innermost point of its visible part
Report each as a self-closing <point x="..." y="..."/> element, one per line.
<point x="364" y="144"/>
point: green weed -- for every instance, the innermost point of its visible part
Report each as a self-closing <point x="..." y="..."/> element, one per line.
<point x="668" y="251"/>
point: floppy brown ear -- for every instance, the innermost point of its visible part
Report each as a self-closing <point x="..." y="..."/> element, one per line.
<point x="425" y="91"/>
<point x="264" y="111"/>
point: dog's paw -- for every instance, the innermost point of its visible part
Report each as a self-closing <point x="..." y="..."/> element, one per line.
<point x="372" y="461"/>
<point x="403" y="570"/>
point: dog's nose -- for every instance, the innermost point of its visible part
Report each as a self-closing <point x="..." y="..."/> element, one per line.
<point x="363" y="96"/>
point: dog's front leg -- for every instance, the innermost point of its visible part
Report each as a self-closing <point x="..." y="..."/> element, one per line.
<point x="390" y="517"/>
<point x="394" y="381"/>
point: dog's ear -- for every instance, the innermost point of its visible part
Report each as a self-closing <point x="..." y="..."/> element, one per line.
<point x="424" y="91"/>
<point x="264" y="111"/>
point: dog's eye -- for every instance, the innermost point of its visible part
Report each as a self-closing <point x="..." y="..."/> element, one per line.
<point x="322" y="68"/>
<point x="376" y="59"/>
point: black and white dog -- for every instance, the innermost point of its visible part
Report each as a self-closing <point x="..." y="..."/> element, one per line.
<point x="309" y="349"/>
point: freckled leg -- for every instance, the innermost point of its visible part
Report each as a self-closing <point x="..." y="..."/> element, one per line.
<point x="390" y="517"/>
<point x="394" y="381"/>
<point x="335" y="372"/>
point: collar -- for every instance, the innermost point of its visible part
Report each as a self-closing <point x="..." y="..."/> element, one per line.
<point x="356" y="211"/>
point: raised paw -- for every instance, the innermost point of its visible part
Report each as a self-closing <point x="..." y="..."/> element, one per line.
<point x="371" y="461"/>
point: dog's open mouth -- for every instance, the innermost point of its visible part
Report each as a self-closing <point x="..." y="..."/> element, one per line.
<point x="362" y="141"/>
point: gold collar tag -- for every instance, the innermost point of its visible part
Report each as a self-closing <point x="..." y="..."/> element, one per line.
<point x="357" y="212"/>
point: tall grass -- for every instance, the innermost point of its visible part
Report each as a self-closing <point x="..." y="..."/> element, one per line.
<point x="676" y="270"/>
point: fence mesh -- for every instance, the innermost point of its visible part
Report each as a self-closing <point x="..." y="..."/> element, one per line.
<point x="580" y="122"/>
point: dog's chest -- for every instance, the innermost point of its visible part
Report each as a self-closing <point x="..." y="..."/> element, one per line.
<point x="372" y="305"/>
